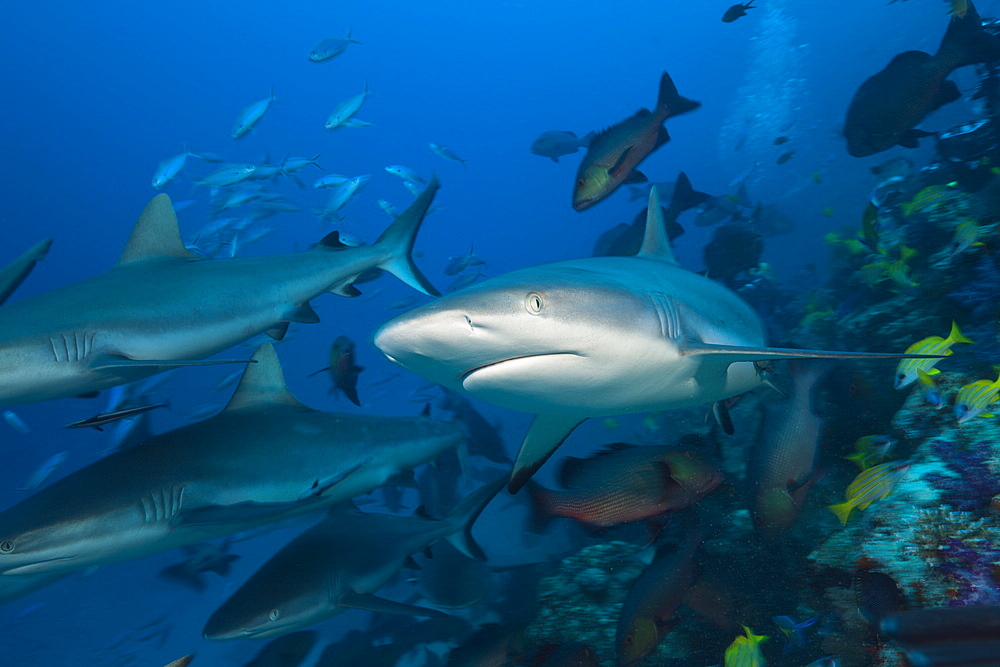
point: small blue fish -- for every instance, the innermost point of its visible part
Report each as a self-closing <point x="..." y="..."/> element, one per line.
<point x="794" y="635"/>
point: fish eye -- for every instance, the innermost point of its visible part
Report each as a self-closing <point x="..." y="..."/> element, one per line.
<point x="901" y="376"/>
<point x="6" y="546"/>
<point x="274" y="614"/>
<point x="580" y="182"/>
<point x="533" y="303"/>
<point x="629" y="639"/>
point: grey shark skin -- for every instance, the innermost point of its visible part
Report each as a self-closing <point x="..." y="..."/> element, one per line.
<point x="339" y="564"/>
<point x="590" y="337"/>
<point x="162" y="306"/>
<point x="266" y="457"/>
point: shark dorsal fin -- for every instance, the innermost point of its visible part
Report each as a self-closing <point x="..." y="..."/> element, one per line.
<point x="262" y="383"/>
<point x="155" y="235"/>
<point x="656" y="243"/>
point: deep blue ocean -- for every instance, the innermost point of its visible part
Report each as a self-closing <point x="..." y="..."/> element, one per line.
<point x="96" y="95"/>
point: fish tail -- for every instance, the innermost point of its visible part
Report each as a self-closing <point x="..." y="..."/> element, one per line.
<point x="956" y="336"/>
<point x="843" y="510"/>
<point x="464" y="515"/>
<point x="541" y="506"/>
<point x="670" y="102"/>
<point x="685" y="196"/>
<point x="966" y="43"/>
<point x="398" y="242"/>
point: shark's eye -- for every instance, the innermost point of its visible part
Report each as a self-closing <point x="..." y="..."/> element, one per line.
<point x="7" y="546"/>
<point x="533" y="303"/>
<point x="274" y="614"/>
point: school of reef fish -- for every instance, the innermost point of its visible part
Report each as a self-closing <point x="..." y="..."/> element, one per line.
<point x="803" y="477"/>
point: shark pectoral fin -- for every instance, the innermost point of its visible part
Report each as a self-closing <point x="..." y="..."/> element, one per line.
<point x="116" y="361"/>
<point x="721" y="413"/>
<point x="544" y="436"/>
<point x="243" y="513"/>
<point x="732" y="353"/>
<point x="12" y="275"/>
<point x="320" y="487"/>
<point x="348" y="290"/>
<point x="278" y="331"/>
<point x="375" y="603"/>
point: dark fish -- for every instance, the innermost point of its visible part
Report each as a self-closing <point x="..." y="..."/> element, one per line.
<point x="492" y="644"/>
<point x="343" y="371"/>
<point x="625" y="483"/>
<point x="200" y="558"/>
<point x="780" y="140"/>
<point x="943" y="624"/>
<point x="625" y="240"/>
<point x="785" y="157"/>
<point x="555" y="143"/>
<point x="877" y="595"/>
<point x="736" y="11"/>
<point x="288" y="651"/>
<point x="574" y="654"/>
<point x="97" y="421"/>
<point x="647" y="614"/>
<point x="452" y="580"/>
<point x="781" y="472"/>
<point x="734" y="248"/>
<point x="889" y="105"/>
<point x="615" y="153"/>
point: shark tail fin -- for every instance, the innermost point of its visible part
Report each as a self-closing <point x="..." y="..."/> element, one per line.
<point x="464" y="515"/>
<point x="398" y="242"/>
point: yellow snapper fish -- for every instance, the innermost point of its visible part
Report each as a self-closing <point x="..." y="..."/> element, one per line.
<point x="871" y="449"/>
<point x="907" y="369"/>
<point x="966" y="236"/>
<point x="973" y="399"/>
<point x="745" y="650"/>
<point x="926" y="198"/>
<point x="869" y="486"/>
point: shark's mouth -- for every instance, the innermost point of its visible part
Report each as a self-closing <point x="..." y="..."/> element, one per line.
<point x="28" y="568"/>
<point x="463" y="377"/>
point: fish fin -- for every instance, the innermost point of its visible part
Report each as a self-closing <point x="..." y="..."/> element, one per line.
<point x="348" y="290"/>
<point x="966" y="43"/>
<point x="398" y="240"/>
<point x="616" y="167"/>
<point x="957" y="336"/>
<point x="544" y="436"/>
<point x="319" y="488"/>
<point x="278" y="331"/>
<point x="736" y="353"/>
<point x="332" y="240"/>
<point x="155" y="235"/>
<point x="721" y="414"/>
<point x="636" y="177"/>
<point x="843" y="511"/>
<point x="555" y="159"/>
<point x="117" y="361"/>
<point x="303" y="314"/>
<point x="541" y="509"/>
<point x="224" y="566"/>
<point x="685" y="196"/>
<point x="464" y="516"/>
<point x="319" y="371"/>
<point x="262" y="383"/>
<point x="656" y="242"/>
<point x="12" y="275"/>
<point x="662" y="137"/>
<point x="371" y="602"/>
<point x="351" y="392"/>
<point x="670" y="103"/>
<point x="909" y="138"/>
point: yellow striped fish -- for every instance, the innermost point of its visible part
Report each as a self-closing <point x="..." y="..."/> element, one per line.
<point x="871" y="449"/>
<point x="973" y="399"/>
<point x="906" y="371"/>
<point x="745" y="651"/>
<point x="870" y="485"/>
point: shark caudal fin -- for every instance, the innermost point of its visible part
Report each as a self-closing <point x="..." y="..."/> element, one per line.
<point x="12" y="275"/>
<point x="399" y="237"/>
<point x="464" y="515"/>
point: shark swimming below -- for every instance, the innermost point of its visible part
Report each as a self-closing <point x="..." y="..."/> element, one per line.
<point x="162" y="306"/>
<point x="590" y="337"/>
<point x="264" y="458"/>
<point x="340" y="563"/>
